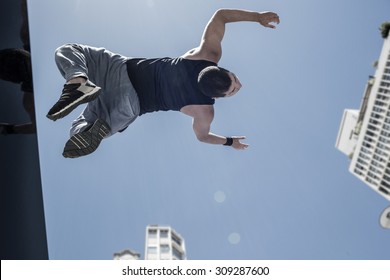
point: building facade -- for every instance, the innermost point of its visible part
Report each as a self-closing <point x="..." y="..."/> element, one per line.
<point x="163" y="243"/>
<point x="364" y="134"/>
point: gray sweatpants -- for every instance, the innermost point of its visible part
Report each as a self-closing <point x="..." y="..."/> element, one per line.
<point x="118" y="102"/>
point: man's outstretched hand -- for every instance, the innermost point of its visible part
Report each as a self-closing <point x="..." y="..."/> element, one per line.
<point x="265" y="18"/>
<point x="237" y="144"/>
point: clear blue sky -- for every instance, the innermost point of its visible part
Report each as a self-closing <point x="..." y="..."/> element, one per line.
<point x="288" y="196"/>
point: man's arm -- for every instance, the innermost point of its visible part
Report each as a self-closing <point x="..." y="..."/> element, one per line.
<point x="210" y="46"/>
<point x="203" y="116"/>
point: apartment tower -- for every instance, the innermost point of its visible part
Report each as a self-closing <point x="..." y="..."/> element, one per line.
<point x="364" y="134"/>
<point x="163" y="243"/>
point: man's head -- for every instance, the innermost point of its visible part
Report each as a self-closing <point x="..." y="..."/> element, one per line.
<point x="217" y="82"/>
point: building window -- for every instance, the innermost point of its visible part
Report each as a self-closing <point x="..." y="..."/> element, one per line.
<point x="152" y="233"/>
<point x="358" y="166"/>
<point x="385" y="184"/>
<point x="387" y="120"/>
<point x="380" y="103"/>
<point x="368" y="139"/>
<point x="378" y="158"/>
<point x="164" y="233"/>
<point x="362" y="161"/>
<point x="370" y="133"/>
<point x="177" y="253"/>
<point x="384" y="191"/>
<point x="384" y="140"/>
<point x="374" y="163"/>
<point x="381" y="146"/>
<point x="376" y="116"/>
<point x="367" y="151"/>
<point x="358" y="172"/>
<point x="386" y="77"/>
<point x="374" y="121"/>
<point x="386" y="134"/>
<point x="379" y="110"/>
<point x="363" y="156"/>
<point x="380" y="152"/>
<point x="164" y="248"/>
<point x="384" y="84"/>
<point x="374" y="170"/>
<point x="372" y="182"/>
<point x="387" y="178"/>
<point x="152" y="250"/>
<point x="383" y="98"/>
<point x="365" y="144"/>
<point x="176" y="239"/>
<point x="386" y="126"/>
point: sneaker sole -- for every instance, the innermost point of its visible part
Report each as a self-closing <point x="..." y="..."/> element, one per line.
<point x="83" y="99"/>
<point x="86" y="142"/>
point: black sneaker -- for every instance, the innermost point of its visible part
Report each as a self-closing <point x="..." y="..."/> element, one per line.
<point x="87" y="141"/>
<point x="72" y="96"/>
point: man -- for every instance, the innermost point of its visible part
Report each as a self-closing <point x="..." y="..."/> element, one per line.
<point x="127" y="88"/>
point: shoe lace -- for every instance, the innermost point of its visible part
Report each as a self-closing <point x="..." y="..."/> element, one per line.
<point x="68" y="91"/>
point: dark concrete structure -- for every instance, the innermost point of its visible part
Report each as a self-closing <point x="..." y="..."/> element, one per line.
<point x="23" y="231"/>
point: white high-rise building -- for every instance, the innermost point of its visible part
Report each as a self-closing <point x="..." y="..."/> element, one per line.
<point x="364" y="134"/>
<point x="163" y="243"/>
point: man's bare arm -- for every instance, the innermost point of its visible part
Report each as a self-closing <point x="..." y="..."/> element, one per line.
<point x="210" y="46"/>
<point x="203" y="116"/>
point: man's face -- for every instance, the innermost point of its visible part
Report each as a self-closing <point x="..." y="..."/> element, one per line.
<point x="234" y="87"/>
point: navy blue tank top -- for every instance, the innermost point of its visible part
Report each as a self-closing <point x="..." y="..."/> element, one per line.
<point x="167" y="83"/>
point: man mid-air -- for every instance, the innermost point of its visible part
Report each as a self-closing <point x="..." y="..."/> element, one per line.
<point x="118" y="89"/>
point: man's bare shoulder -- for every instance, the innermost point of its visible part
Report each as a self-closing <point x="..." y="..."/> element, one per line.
<point x="198" y="111"/>
<point x="197" y="54"/>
